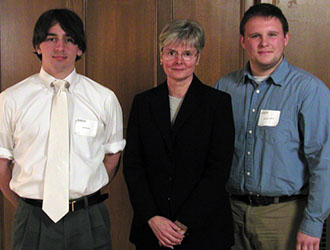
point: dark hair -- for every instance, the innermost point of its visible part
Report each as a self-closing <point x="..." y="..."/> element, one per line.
<point x="69" y="21"/>
<point x="264" y="10"/>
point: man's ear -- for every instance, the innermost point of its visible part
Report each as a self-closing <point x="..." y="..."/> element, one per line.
<point x="286" y="39"/>
<point x="38" y="50"/>
<point x="198" y="57"/>
<point x="241" y="39"/>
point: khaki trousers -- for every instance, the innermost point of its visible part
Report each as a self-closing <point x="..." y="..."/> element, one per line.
<point x="272" y="227"/>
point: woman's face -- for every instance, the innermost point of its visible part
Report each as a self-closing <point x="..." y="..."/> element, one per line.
<point x="179" y="62"/>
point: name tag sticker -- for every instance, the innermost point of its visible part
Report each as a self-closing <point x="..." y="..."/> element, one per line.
<point x="85" y="127"/>
<point x="269" y="118"/>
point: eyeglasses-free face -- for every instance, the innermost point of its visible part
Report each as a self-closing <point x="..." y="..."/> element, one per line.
<point x="58" y="52"/>
<point x="264" y="42"/>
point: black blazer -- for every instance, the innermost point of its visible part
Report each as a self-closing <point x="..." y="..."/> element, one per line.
<point x="180" y="172"/>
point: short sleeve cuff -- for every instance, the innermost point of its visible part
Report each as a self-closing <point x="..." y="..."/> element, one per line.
<point x="311" y="228"/>
<point x="114" y="148"/>
<point x="7" y="154"/>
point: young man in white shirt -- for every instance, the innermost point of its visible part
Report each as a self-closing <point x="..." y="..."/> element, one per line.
<point x="95" y="140"/>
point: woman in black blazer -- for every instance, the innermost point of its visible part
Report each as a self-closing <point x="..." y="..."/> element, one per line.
<point x="179" y="149"/>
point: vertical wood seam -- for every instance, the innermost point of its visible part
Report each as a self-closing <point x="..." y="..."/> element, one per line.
<point x="155" y="47"/>
<point x="172" y="10"/>
<point x="241" y="51"/>
<point x="84" y="16"/>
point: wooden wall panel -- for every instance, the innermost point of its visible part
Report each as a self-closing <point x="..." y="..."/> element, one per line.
<point x="121" y="51"/>
<point x="220" y="20"/>
<point x="309" y="46"/>
<point x="164" y="15"/>
<point x="122" y="55"/>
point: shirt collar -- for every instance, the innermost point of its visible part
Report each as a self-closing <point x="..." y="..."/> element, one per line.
<point x="280" y="72"/>
<point x="47" y="79"/>
<point x="277" y="76"/>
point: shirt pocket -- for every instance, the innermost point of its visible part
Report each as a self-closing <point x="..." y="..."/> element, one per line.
<point x="283" y="132"/>
<point x="88" y="136"/>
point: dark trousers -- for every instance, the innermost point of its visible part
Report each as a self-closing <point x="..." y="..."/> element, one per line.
<point x="84" y="229"/>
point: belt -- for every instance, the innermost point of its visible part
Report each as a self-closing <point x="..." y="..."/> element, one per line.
<point x="258" y="200"/>
<point x="75" y="204"/>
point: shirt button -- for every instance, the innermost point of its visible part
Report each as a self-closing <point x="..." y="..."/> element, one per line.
<point x="253" y="110"/>
<point x="257" y="91"/>
<point x="248" y="173"/>
<point x="169" y="198"/>
<point x="250" y="131"/>
<point x="248" y="152"/>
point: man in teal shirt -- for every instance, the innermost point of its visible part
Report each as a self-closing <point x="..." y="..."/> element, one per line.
<point x="279" y="182"/>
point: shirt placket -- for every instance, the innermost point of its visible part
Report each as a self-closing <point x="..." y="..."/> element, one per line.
<point x="249" y="168"/>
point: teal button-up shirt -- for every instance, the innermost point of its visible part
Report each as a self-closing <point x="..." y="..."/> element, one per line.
<point x="288" y="155"/>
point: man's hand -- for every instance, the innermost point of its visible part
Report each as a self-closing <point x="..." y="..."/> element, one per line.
<point x="167" y="232"/>
<point x="111" y="163"/>
<point x="306" y="242"/>
<point x="5" y="177"/>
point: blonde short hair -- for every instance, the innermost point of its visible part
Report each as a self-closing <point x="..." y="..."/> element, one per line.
<point x="187" y="31"/>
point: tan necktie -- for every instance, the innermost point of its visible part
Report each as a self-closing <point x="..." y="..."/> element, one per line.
<point x="56" y="185"/>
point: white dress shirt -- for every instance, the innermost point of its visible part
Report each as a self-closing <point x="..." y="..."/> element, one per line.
<point x="96" y="129"/>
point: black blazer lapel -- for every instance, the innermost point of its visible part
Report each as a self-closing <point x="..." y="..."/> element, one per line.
<point x="160" y="109"/>
<point x="190" y="103"/>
